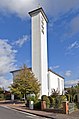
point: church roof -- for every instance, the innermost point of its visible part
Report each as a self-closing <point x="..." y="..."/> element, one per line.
<point x="37" y="11"/>
<point x="55" y="73"/>
<point x="31" y="69"/>
<point x="18" y="70"/>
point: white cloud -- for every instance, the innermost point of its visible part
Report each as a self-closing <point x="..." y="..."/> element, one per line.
<point x="4" y="83"/>
<point x="74" y="25"/>
<point x="68" y="73"/>
<point x="7" y="57"/>
<point x="21" y="41"/>
<point x="7" y="61"/>
<point x="50" y="67"/>
<point x="71" y="83"/>
<point x="55" y="7"/>
<point x="74" y="45"/>
<point x="54" y="67"/>
<point x="21" y="7"/>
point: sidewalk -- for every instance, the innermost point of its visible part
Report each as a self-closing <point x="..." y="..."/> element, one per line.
<point x="21" y="107"/>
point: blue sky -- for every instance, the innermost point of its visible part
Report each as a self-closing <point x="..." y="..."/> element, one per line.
<point x="63" y="37"/>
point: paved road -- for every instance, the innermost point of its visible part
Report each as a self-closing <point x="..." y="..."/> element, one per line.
<point x="7" y="113"/>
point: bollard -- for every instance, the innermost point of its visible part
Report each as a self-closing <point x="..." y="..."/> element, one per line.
<point x="66" y="107"/>
<point x="31" y="105"/>
<point x="43" y="105"/>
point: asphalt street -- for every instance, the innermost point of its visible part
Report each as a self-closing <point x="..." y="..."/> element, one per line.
<point x="7" y="113"/>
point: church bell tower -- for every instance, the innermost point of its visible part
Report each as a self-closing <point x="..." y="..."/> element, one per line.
<point x="39" y="48"/>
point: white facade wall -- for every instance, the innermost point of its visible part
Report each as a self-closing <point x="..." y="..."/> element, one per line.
<point x="39" y="51"/>
<point x="55" y="82"/>
<point x="44" y="62"/>
<point x="36" y="46"/>
<point x="15" y="73"/>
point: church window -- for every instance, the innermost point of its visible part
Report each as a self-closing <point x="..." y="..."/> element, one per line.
<point x="42" y="25"/>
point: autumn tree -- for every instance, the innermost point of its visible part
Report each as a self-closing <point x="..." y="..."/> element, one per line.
<point x="25" y="83"/>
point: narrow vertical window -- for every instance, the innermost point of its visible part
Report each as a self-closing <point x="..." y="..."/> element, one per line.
<point x="42" y="25"/>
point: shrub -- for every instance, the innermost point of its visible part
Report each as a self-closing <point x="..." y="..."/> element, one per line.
<point x="1" y="96"/>
<point x="50" y="98"/>
<point x="54" y="93"/>
<point x="52" y="101"/>
<point x="45" y="98"/>
<point x="68" y="97"/>
<point x="27" y="103"/>
<point x="63" y="98"/>
<point x="57" y="102"/>
<point x="77" y="105"/>
<point x="76" y="98"/>
<point x="7" y="97"/>
<point x="31" y="98"/>
<point x="37" y="105"/>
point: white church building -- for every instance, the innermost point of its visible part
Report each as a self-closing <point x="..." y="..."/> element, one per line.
<point x="49" y="80"/>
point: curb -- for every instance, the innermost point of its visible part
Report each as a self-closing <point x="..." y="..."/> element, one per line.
<point x="19" y="109"/>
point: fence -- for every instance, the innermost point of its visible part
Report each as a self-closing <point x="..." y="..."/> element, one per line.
<point x="71" y="108"/>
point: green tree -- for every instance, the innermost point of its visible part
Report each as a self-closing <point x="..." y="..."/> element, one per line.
<point x="1" y="94"/>
<point x="77" y="87"/>
<point x="1" y="91"/>
<point x="71" y="91"/>
<point x="25" y="83"/>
